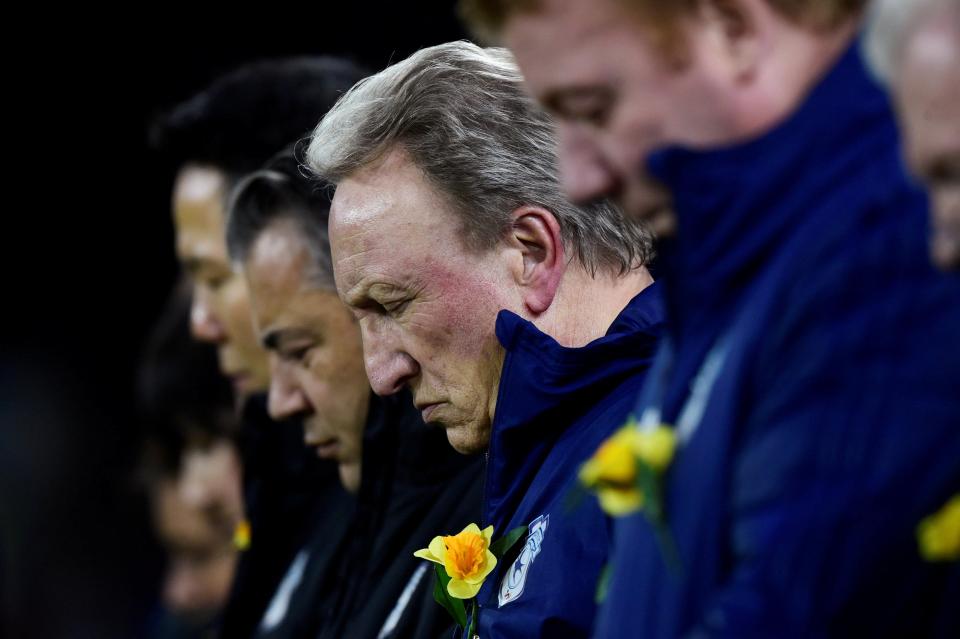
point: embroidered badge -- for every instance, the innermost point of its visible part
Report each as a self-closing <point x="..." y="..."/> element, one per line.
<point x="513" y="581"/>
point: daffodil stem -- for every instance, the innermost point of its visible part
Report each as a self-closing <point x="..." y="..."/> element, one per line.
<point x="668" y="546"/>
<point x="470" y="631"/>
<point x="603" y="584"/>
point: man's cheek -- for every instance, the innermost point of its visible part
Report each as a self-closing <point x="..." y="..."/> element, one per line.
<point x="459" y="313"/>
<point x="946" y="205"/>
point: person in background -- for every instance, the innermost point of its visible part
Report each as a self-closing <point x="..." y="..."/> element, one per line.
<point x="191" y="428"/>
<point x="361" y="577"/>
<point x="914" y="47"/>
<point x="212" y="141"/>
<point x="808" y="376"/>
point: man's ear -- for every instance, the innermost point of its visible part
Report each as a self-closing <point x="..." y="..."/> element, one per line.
<point x="535" y="234"/>
<point x="734" y="26"/>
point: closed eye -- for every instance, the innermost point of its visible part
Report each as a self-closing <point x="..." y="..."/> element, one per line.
<point x="944" y="171"/>
<point x="395" y="308"/>
<point x="585" y="105"/>
<point x="295" y="355"/>
<point x="369" y="306"/>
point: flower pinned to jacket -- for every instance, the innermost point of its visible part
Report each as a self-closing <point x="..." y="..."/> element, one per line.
<point x="462" y="562"/>
<point x="466" y="557"/>
<point x="939" y="534"/>
<point x="626" y="473"/>
<point x="241" y="535"/>
<point x="627" y="467"/>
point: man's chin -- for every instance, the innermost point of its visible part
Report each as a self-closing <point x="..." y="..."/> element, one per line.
<point x="466" y="440"/>
<point x="350" y="476"/>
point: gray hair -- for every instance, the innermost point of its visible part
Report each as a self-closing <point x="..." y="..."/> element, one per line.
<point x="888" y="27"/>
<point x="276" y="195"/>
<point x="462" y="115"/>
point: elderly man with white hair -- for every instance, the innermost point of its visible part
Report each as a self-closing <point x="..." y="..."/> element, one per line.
<point x="522" y="324"/>
<point x="914" y="46"/>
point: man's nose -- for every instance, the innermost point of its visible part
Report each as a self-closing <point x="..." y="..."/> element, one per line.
<point x="389" y="368"/>
<point x="286" y="398"/>
<point x="584" y="173"/>
<point x="205" y="326"/>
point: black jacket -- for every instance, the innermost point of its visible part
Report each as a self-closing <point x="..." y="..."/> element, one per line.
<point x="414" y="486"/>
<point x="291" y="497"/>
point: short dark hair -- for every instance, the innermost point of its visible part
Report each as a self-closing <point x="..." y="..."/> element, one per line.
<point x="245" y="117"/>
<point x="283" y="192"/>
<point x="183" y="399"/>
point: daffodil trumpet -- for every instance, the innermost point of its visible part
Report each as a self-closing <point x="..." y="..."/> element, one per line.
<point x="462" y="562"/>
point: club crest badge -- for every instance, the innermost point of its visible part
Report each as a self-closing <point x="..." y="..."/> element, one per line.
<point x="513" y="581"/>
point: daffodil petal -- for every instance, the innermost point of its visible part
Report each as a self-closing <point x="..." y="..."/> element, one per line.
<point x="614" y="461"/>
<point x="472" y="528"/>
<point x="620" y="502"/>
<point x="656" y="447"/>
<point x="438" y="549"/>
<point x="939" y="534"/>
<point x="589" y="473"/>
<point x="460" y="589"/>
<point x="487" y="534"/>
<point x="426" y="554"/>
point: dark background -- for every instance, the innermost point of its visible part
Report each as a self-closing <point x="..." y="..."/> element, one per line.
<point x="87" y="264"/>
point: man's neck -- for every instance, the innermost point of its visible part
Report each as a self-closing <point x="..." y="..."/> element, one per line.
<point x="586" y="305"/>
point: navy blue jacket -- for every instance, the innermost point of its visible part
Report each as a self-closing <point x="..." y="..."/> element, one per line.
<point x="824" y="356"/>
<point x="555" y="407"/>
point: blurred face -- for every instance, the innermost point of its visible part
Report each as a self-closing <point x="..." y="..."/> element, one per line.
<point x="200" y="557"/>
<point x="211" y="480"/>
<point x="426" y="305"/>
<point x="615" y="97"/>
<point x="316" y="353"/>
<point x="928" y="83"/>
<point x="221" y="306"/>
<point x="621" y="86"/>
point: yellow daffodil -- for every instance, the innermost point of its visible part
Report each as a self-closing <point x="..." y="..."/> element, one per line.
<point x="241" y="535"/>
<point x="939" y="534"/>
<point x="612" y="471"/>
<point x="465" y="556"/>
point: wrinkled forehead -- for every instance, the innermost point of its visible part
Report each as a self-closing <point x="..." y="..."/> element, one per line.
<point x="385" y="218"/>
<point x="360" y="218"/>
